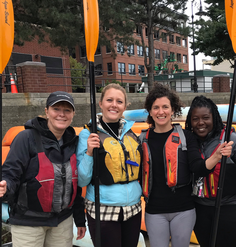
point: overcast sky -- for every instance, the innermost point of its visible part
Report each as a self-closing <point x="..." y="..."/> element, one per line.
<point x="200" y="56"/>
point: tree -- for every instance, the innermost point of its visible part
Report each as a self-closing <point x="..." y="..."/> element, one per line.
<point x="154" y="15"/>
<point x="115" y="23"/>
<point x="62" y="20"/>
<point x="212" y="36"/>
<point x="77" y="74"/>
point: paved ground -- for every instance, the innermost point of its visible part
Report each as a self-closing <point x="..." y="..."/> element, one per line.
<point x="148" y="244"/>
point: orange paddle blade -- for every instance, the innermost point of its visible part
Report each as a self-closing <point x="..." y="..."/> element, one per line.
<point x="229" y="14"/>
<point x="91" y="26"/>
<point x="233" y="28"/>
<point x="6" y="32"/>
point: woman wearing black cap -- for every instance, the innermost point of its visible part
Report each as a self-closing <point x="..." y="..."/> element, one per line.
<point x="40" y="179"/>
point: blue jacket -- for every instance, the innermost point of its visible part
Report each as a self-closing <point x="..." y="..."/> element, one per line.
<point x="111" y="195"/>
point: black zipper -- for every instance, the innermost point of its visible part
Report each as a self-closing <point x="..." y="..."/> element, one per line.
<point x="63" y="176"/>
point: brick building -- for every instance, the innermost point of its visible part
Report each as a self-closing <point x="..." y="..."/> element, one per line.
<point x="128" y="66"/>
<point x="55" y="73"/>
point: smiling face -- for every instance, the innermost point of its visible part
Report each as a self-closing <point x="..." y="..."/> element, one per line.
<point x="161" y="113"/>
<point x="59" y="117"/>
<point x="113" y="105"/>
<point x="202" y="121"/>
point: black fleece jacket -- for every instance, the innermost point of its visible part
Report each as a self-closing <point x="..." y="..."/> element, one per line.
<point x="22" y="165"/>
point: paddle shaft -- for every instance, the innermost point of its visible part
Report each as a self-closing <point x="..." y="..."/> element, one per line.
<point x="95" y="154"/>
<point x="223" y="163"/>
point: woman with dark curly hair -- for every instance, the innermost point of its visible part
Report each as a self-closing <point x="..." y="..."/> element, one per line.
<point x="204" y="120"/>
<point x="170" y="155"/>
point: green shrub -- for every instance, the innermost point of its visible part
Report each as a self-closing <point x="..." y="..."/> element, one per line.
<point x="78" y="71"/>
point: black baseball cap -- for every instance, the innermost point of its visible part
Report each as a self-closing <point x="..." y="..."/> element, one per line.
<point x="59" y="96"/>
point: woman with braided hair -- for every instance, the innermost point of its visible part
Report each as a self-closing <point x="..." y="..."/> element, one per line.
<point x="204" y="121"/>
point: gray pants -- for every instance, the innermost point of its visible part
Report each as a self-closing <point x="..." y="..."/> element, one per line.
<point x="178" y="226"/>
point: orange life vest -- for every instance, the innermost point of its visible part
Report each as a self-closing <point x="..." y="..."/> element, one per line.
<point x="174" y="142"/>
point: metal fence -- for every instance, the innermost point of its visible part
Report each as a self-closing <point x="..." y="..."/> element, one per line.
<point x="78" y="80"/>
<point x="6" y="80"/>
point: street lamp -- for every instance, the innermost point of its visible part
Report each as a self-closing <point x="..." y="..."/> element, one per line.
<point x="195" y="85"/>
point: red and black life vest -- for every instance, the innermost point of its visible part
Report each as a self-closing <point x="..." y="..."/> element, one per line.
<point x="47" y="179"/>
<point x="55" y="185"/>
<point x="211" y="181"/>
<point x="175" y="142"/>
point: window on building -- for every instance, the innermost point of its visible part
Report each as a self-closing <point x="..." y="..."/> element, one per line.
<point x="157" y="53"/>
<point x="140" y="50"/>
<point x="141" y="70"/>
<point x="172" y="39"/>
<point x="156" y="35"/>
<point x="138" y="30"/>
<point x="20" y="58"/>
<point x="164" y="55"/>
<point x="72" y="53"/>
<point x="121" y="68"/>
<point x="164" y="37"/>
<point x="98" y="69"/>
<point x="173" y="85"/>
<point x="53" y="64"/>
<point x="109" y="68"/>
<point x="179" y="57"/>
<point x="98" y="51"/>
<point x="185" y="59"/>
<point x="130" y="50"/>
<point x="184" y="42"/>
<point x="172" y="56"/>
<point x="146" y="31"/>
<point x="147" y="52"/>
<point x="132" y="69"/>
<point x="82" y="51"/>
<point x="108" y="49"/>
<point x="120" y="47"/>
<point x="178" y="40"/>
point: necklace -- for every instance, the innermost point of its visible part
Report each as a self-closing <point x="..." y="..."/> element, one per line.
<point x="111" y="131"/>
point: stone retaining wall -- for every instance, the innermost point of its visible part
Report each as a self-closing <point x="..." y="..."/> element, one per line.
<point x="18" y="108"/>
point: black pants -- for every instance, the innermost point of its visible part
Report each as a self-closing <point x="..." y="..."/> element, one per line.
<point x="226" y="234"/>
<point x="117" y="233"/>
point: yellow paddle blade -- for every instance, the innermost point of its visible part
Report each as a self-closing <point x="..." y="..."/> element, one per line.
<point x="91" y="26"/>
<point x="233" y="29"/>
<point x="229" y="15"/>
<point x="6" y="32"/>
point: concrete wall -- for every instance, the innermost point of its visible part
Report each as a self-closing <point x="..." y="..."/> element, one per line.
<point x="18" y="108"/>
